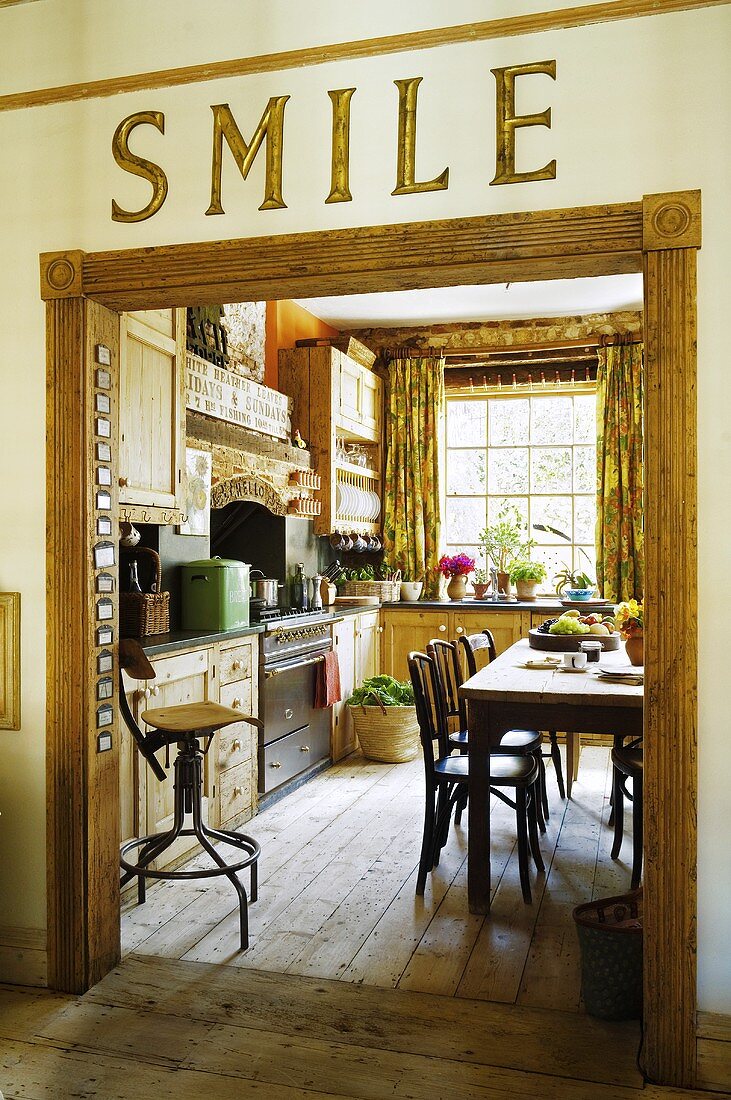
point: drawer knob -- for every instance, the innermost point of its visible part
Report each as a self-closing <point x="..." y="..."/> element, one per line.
<point x="380" y="630"/>
<point x="276" y="764"/>
<point x="460" y="629"/>
<point x="236" y="746"/>
<point x="238" y="790"/>
<point x="123" y="481"/>
<point x="237" y="704"/>
<point x="304" y="748"/>
<point x="236" y="665"/>
<point x="288" y="713"/>
<point x="154" y="690"/>
<point x="442" y="627"/>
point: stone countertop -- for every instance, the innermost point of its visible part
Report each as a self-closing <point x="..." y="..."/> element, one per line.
<point x="545" y="606"/>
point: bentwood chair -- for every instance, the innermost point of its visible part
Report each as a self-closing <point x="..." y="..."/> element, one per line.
<point x="470" y="645"/>
<point x="185" y="726"/>
<point x="446" y="776"/>
<point x="628" y="763"/>
<point x="513" y="743"/>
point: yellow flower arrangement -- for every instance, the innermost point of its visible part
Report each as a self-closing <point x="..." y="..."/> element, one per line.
<point x="629" y="618"/>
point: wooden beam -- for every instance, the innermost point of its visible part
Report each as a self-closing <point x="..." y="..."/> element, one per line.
<point x="532" y="23"/>
<point x="671" y="657"/>
<point x="82" y="785"/>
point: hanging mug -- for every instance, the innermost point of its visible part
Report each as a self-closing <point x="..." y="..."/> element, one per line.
<point x="359" y="543"/>
<point x="374" y="544"/>
<point x="347" y="544"/>
<point x="336" y="540"/>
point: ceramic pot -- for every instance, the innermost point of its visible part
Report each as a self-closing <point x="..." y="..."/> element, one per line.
<point x="411" y="590"/>
<point x="480" y="590"/>
<point x="457" y="587"/>
<point x="503" y="582"/>
<point x="635" y="647"/>
<point x="526" y="590"/>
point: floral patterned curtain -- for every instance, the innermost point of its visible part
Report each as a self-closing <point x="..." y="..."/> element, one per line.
<point x="412" y="497"/>
<point x="619" y="532"/>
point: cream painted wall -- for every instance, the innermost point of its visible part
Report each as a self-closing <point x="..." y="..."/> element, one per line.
<point x="638" y="107"/>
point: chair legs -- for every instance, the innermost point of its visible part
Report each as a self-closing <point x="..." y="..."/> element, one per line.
<point x="522" y="827"/>
<point x="558" y="767"/>
<point x="619" y="792"/>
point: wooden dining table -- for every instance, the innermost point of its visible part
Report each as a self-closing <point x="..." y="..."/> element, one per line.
<point x="504" y="695"/>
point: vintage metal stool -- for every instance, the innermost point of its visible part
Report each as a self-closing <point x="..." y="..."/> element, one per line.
<point x="186" y="726"/>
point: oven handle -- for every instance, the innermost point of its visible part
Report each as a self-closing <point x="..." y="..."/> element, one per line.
<point x="268" y="673"/>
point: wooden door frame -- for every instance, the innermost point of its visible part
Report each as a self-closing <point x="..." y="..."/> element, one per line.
<point x="658" y="236"/>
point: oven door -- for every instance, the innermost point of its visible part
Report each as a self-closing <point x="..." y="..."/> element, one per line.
<point x="296" y="735"/>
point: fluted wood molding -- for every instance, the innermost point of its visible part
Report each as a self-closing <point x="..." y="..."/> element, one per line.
<point x="82" y="786"/>
<point x="531" y="23"/>
<point x="671" y="657"/>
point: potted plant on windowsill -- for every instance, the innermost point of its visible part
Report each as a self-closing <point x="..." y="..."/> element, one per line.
<point x="526" y="576"/>
<point x="458" y="568"/>
<point x="505" y="542"/>
<point x="575" y="584"/>
<point x="384" y="719"/>
<point x="481" y="583"/>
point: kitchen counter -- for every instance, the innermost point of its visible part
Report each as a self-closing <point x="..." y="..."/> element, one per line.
<point x="155" y="644"/>
<point x="540" y="606"/>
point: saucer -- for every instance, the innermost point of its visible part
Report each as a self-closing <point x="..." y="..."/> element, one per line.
<point x="563" y="668"/>
<point x="546" y="663"/>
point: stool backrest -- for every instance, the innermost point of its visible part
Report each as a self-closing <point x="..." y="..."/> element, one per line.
<point x="430" y="709"/>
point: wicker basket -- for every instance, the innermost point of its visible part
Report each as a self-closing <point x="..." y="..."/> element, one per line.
<point x="387" y="591"/>
<point x="610" y="937"/>
<point x="387" y="734"/>
<point x="143" y="613"/>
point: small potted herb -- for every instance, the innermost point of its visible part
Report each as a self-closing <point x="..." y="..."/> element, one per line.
<point x="384" y="719"/>
<point x="576" y="584"/>
<point x="481" y="583"/>
<point x="526" y="576"/>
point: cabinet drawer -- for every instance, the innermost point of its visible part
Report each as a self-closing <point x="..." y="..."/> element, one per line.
<point x="236" y="663"/>
<point x="290" y="755"/>
<point x="235" y="745"/>
<point x="236" y="792"/>
<point x="240" y="696"/>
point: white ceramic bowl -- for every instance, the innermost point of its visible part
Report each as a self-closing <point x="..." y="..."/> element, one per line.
<point x="411" y="590"/>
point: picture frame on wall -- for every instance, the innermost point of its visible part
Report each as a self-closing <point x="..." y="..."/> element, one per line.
<point x="10" y="660"/>
<point x="198" y="467"/>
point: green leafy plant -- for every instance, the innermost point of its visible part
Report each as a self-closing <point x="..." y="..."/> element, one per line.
<point x="506" y="541"/>
<point x="382" y="691"/>
<point x="527" y="571"/>
<point x="572" y="578"/>
<point x="481" y="576"/>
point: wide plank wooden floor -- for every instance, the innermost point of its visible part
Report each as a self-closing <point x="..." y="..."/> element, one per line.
<point x="157" y="1028"/>
<point x="337" y="900"/>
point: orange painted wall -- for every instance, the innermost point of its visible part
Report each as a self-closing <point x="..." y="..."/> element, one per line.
<point x="285" y="323"/>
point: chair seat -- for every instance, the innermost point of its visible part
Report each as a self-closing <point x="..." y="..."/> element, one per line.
<point x="454" y="768"/>
<point x="204" y="717"/>
<point x="505" y="771"/>
<point x="628" y="761"/>
<point x="514" y="742"/>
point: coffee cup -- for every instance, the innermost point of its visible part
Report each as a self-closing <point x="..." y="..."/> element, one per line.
<point x="574" y="660"/>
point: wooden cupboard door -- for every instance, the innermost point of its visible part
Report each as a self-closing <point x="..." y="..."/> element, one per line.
<point x="343" y="735"/>
<point x="405" y="631"/>
<point x="180" y="678"/>
<point x="367" y="646"/>
<point x="371" y="389"/>
<point x="152" y="409"/>
<point x="350" y="390"/>
<point x="507" y="627"/>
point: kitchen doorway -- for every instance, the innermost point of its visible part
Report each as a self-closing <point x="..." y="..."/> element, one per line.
<point x="658" y="236"/>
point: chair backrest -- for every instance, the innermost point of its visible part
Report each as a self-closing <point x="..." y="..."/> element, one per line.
<point x="474" y="642"/>
<point x="430" y="709"/>
<point x="133" y="660"/>
<point x="446" y="658"/>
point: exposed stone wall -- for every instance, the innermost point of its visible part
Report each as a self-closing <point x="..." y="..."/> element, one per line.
<point x="245" y="324"/>
<point x="502" y="334"/>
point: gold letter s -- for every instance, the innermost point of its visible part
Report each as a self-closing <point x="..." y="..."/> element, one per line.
<point x="271" y="127"/>
<point x="507" y="122"/>
<point x="153" y="173"/>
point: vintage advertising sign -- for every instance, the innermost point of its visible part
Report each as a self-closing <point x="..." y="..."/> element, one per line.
<point x="212" y="391"/>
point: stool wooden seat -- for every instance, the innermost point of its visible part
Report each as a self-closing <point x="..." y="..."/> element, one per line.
<point x="187" y="726"/>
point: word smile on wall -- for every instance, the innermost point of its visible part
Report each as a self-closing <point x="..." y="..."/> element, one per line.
<point x="270" y="133"/>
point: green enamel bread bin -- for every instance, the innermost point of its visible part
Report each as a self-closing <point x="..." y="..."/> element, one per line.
<point x="215" y="594"/>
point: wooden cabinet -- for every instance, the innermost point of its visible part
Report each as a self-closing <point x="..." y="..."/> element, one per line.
<point x="368" y="632"/>
<point x="404" y="631"/>
<point x="343" y="735"/>
<point x="412" y="630"/>
<point x="152" y="416"/>
<point x="226" y="673"/>
<point x="334" y="398"/>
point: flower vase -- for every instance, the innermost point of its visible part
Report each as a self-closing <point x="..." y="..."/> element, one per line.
<point x="635" y="647"/>
<point x="457" y="587"/>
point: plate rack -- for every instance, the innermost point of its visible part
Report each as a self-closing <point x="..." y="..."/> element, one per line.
<point x="358" y="501"/>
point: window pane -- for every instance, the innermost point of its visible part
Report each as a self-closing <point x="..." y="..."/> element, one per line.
<point x="584" y="518"/>
<point x="465" y="519"/>
<point x="584" y="469"/>
<point x="508" y="470"/>
<point x="554" y="559"/>
<point x="466" y="423"/>
<point x="551" y="420"/>
<point x="466" y="473"/>
<point x="495" y="506"/>
<point x="553" y="512"/>
<point x="550" y="470"/>
<point x="585" y="419"/>
<point x="508" y="421"/>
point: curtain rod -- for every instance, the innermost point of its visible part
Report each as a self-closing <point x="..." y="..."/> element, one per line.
<point x="590" y="343"/>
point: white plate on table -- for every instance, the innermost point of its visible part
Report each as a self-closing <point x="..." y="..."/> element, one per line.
<point x="546" y="663"/>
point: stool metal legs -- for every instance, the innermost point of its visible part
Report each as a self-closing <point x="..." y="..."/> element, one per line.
<point x="189" y="799"/>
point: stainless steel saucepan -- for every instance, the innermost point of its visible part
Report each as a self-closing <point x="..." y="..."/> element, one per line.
<point x="264" y="588"/>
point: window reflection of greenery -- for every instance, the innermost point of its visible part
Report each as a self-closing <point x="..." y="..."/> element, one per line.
<point x="536" y="450"/>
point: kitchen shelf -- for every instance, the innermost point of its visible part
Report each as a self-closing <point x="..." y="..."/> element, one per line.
<point x="366" y="471"/>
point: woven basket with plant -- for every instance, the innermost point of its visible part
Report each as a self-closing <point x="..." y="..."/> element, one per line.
<point x="384" y="719"/>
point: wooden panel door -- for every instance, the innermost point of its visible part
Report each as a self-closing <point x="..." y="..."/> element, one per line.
<point x="507" y="627"/>
<point x="367" y="646"/>
<point x="343" y="735"/>
<point x="180" y="678"/>
<point x="349" y="402"/>
<point x="405" y="631"/>
<point x="371" y="389"/>
<point x="152" y="410"/>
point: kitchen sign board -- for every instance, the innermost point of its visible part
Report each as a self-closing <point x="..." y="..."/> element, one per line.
<point x="220" y="393"/>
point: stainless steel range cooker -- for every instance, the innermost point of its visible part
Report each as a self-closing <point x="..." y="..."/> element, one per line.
<point x="296" y="736"/>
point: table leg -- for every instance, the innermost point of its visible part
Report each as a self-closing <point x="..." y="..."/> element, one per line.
<point x="478" y="808"/>
<point x="573" y="748"/>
